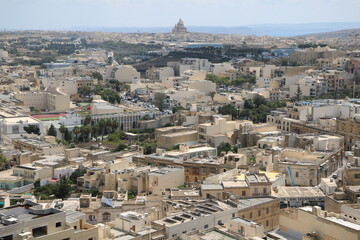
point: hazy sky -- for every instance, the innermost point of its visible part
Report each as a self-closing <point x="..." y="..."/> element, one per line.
<point x="63" y="14"/>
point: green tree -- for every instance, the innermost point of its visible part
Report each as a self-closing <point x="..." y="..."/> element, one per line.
<point x="97" y="75"/>
<point x="87" y="120"/>
<point x="76" y="132"/>
<point x="62" y="130"/>
<point x="146" y="117"/>
<point x="84" y="42"/>
<point x="85" y="132"/>
<point x="229" y="109"/>
<point x="32" y="129"/>
<point x="160" y="101"/>
<point x="85" y="91"/>
<point x="120" y="147"/>
<point x="37" y="183"/>
<point x="67" y="135"/>
<point x="102" y="125"/>
<point x="224" y="147"/>
<point x="259" y="100"/>
<point x="3" y="162"/>
<point x="63" y="190"/>
<point x="95" y="129"/>
<point x="52" y="131"/>
<point x="298" y="94"/>
<point x="110" y="61"/>
<point x="177" y="108"/>
<point x="114" y="125"/>
<point x="149" y="146"/>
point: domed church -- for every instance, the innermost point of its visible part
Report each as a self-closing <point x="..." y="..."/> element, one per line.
<point x="179" y="28"/>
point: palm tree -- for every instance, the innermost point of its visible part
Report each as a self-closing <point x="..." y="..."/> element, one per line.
<point x="85" y="131"/>
<point x="76" y="131"/>
<point x="87" y="120"/>
<point x="62" y="130"/>
<point x="115" y="125"/>
<point x="108" y="126"/>
<point x="102" y="125"/>
<point x="95" y="130"/>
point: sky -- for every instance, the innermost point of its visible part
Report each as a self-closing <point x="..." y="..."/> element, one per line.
<point x="69" y="14"/>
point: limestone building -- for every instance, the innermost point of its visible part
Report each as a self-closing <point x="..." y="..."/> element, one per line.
<point x="179" y="28"/>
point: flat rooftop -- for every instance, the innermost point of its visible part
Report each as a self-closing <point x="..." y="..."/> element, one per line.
<point x="20" y="120"/>
<point x="250" y="202"/>
<point x="23" y="213"/>
<point x="296" y="192"/>
<point x="195" y="211"/>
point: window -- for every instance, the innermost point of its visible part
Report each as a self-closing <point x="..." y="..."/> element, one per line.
<point x="206" y="226"/>
<point x="184" y="232"/>
<point x="357" y="175"/>
<point x="296" y="174"/>
<point x="9" y="237"/>
<point x="250" y="215"/>
<point x="40" y="231"/>
<point x="267" y="210"/>
<point x="264" y="190"/>
<point x="267" y="223"/>
<point x="233" y="215"/>
<point x="58" y="224"/>
<point x="259" y="213"/>
<point x="243" y="193"/>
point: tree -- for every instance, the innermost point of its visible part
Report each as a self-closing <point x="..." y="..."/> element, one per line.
<point x="32" y="129"/>
<point x="67" y="135"/>
<point x="74" y="176"/>
<point x="110" y="61"/>
<point x="33" y="109"/>
<point x="37" y="183"/>
<point x="146" y="117"/>
<point x="63" y="190"/>
<point x="102" y="126"/>
<point x="149" y="146"/>
<point x="85" y="91"/>
<point x="114" y="125"/>
<point x="229" y="109"/>
<point x="97" y="75"/>
<point x="3" y="162"/>
<point x="259" y="100"/>
<point x="160" y="101"/>
<point x="95" y="130"/>
<point x="224" y="147"/>
<point x="52" y="131"/>
<point x="83" y="41"/>
<point x="177" y="108"/>
<point x="62" y="130"/>
<point x="248" y="104"/>
<point x="120" y="147"/>
<point x="87" y="120"/>
<point x="76" y="131"/>
<point x="85" y="132"/>
<point x="108" y="124"/>
<point x="298" y="94"/>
